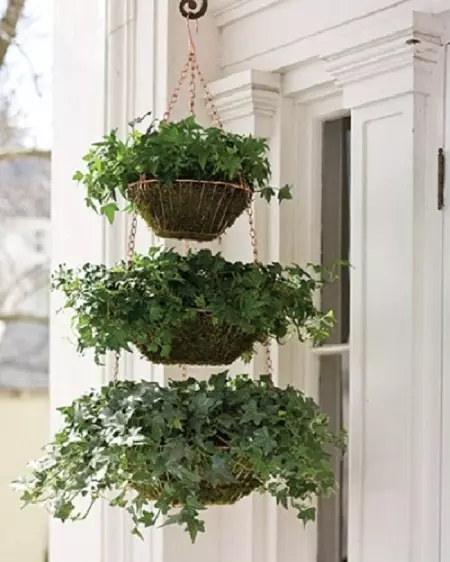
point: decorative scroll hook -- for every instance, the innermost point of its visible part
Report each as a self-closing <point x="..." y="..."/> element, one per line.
<point x="193" y="9"/>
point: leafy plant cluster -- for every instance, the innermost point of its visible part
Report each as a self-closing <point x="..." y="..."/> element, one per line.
<point x="146" y="301"/>
<point x="129" y="437"/>
<point x="169" y="151"/>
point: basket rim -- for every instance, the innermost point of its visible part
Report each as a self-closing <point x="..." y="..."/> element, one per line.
<point x="144" y="182"/>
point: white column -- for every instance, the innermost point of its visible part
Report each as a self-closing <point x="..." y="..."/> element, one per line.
<point x="445" y="499"/>
<point x="395" y="93"/>
<point x="115" y="60"/>
<point x="251" y="102"/>
<point x="77" y="234"/>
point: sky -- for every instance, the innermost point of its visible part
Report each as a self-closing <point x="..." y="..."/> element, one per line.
<point x="29" y="71"/>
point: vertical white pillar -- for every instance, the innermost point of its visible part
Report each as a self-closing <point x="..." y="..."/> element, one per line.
<point x="77" y="234"/>
<point x="395" y="92"/>
<point x="251" y="102"/>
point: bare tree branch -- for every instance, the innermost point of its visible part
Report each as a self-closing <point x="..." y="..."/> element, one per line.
<point x="37" y="274"/>
<point x="8" y="26"/>
<point x="29" y="318"/>
<point x="35" y="77"/>
<point x="24" y="153"/>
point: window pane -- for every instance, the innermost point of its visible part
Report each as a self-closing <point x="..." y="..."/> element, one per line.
<point x="333" y="377"/>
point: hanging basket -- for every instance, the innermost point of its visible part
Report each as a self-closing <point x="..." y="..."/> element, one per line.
<point x="186" y="444"/>
<point x="246" y="482"/>
<point x="189" y="209"/>
<point x="201" y="342"/>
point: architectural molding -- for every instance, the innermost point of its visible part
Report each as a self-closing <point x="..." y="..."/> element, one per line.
<point x="397" y="63"/>
<point x="291" y="42"/>
<point x="228" y="11"/>
<point x="246" y="94"/>
<point x="308" y="82"/>
<point x="415" y="51"/>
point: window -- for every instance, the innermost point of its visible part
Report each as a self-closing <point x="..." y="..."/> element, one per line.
<point x="334" y="355"/>
<point x="39" y="241"/>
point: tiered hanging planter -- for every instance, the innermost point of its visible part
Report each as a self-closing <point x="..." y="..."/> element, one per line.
<point x="171" y="451"/>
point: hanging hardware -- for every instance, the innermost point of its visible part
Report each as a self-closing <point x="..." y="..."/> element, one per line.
<point x="441" y="179"/>
<point x="193" y="9"/>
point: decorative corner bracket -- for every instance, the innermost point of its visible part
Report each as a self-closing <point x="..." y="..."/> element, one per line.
<point x="193" y="9"/>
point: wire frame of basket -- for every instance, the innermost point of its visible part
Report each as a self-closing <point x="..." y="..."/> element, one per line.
<point x="245" y="482"/>
<point x="190" y="209"/>
<point x="200" y="341"/>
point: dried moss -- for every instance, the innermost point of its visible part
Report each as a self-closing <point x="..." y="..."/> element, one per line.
<point x="223" y="494"/>
<point x="200" y="211"/>
<point x="200" y="342"/>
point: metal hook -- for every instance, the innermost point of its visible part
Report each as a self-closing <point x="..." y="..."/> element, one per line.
<point x="193" y="9"/>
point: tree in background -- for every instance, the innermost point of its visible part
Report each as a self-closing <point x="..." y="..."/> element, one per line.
<point x="24" y="196"/>
<point x="8" y="27"/>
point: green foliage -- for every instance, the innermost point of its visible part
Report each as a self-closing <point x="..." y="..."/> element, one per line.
<point x="147" y="301"/>
<point x="171" y="151"/>
<point x="178" y="440"/>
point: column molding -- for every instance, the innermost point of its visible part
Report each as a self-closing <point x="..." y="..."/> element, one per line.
<point x="399" y="63"/>
<point x="249" y="102"/>
<point x="395" y="93"/>
<point x="77" y="233"/>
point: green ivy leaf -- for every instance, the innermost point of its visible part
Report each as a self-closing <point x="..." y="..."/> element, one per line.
<point x="170" y="151"/>
<point x="109" y="211"/>
<point x="220" y="473"/>
<point x="285" y="193"/>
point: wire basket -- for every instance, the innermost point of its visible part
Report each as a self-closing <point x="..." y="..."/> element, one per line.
<point x="201" y="342"/>
<point x="190" y="209"/>
<point x="246" y="482"/>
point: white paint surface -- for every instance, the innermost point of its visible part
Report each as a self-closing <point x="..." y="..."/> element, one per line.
<point x="287" y="66"/>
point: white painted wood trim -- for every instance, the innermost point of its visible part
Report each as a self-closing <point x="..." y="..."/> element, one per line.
<point x="78" y="234"/>
<point x="445" y="467"/>
<point x="228" y="11"/>
<point x="330" y="350"/>
<point x="359" y="63"/>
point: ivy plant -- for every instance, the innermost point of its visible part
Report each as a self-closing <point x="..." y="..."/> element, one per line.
<point x="170" y="451"/>
<point x="169" y="151"/>
<point x="156" y="295"/>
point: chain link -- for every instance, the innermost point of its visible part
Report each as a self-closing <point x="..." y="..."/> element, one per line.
<point x="192" y="91"/>
<point x="186" y="248"/>
<point x="254" y="242"/>
<point x="116" y="366"/>
<point x="209" y="100"/>
<point x="253" y="236"/>
<point x="192" y="68"/>
<point x="130" y="254"/>
<point x="132" y="236"/>
<point x="177" y="90"/>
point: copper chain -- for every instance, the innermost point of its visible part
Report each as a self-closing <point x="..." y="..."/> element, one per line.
<point x="184" y="367"/>
<point x="130" y="254"/>
<point x="192" y="91"/>
<point x="209" y="99"/>
<point x="192" y="68"/>
<point x="254" y="242"/>
<point x="177" y="90"/>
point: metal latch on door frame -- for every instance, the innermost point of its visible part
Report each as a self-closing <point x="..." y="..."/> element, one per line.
<point x="441" y="179"/>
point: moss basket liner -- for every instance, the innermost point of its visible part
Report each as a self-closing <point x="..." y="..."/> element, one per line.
<point x="245" y="483"/>
<point x="189" y="209"/>
<point x="201" y="342"/>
